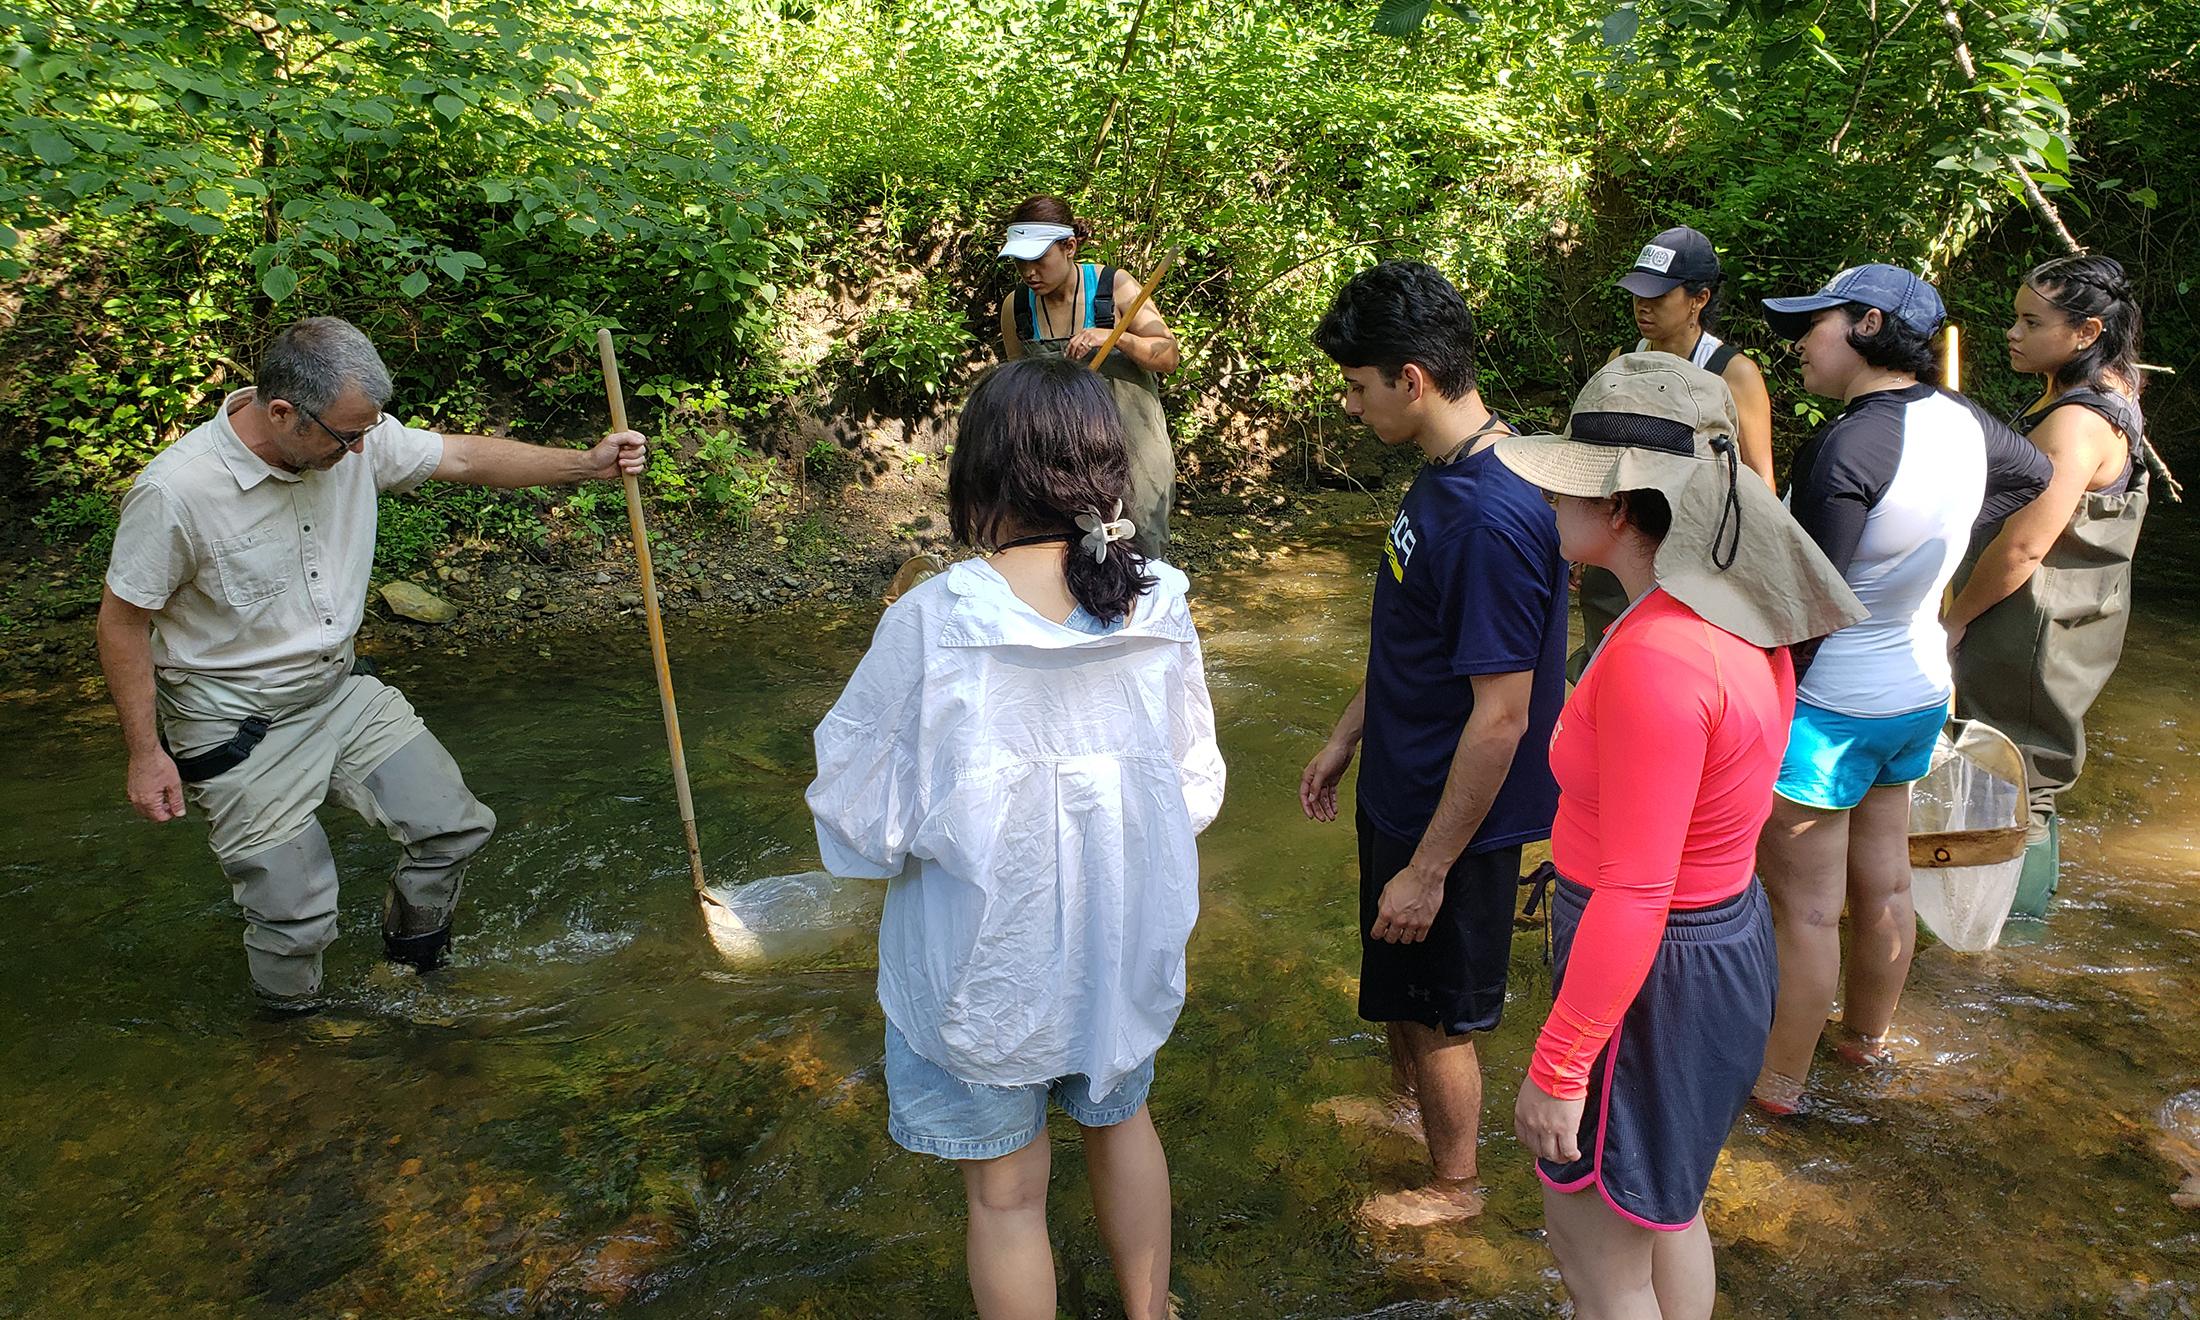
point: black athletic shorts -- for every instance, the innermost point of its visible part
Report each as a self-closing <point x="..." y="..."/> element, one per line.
<point x="1668" y="1085"/>
<point x="1454" y="980"/>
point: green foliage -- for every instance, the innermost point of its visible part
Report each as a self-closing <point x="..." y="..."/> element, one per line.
<point x="911" y="351"/>
<point x="481" y="185"/>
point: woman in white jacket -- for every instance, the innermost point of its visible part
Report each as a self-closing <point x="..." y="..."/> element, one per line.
<point x="1025" y="755"/>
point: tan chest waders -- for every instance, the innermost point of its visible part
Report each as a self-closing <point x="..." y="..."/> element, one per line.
<point x="1137" y="397"/>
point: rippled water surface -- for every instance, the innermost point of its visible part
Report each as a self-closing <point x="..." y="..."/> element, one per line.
<point x="590" y="1112"/>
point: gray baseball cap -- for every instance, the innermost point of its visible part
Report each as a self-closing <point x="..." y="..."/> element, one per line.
<point x="1899" y="293"/>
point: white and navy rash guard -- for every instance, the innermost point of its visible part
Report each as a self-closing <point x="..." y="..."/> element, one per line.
<point x="1890" y="490"/>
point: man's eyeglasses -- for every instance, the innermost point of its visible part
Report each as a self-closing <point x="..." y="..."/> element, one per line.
<point x="345" y="439"/>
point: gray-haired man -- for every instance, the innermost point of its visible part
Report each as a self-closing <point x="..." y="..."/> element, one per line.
<point x="238" y="578"/>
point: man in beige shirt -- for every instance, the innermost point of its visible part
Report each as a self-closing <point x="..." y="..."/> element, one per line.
<point x="238" y="578"/>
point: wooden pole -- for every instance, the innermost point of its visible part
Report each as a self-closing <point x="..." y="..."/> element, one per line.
<point x="1145" y="295"/>
<point x="1951" y="358"/>
<point x="656" y="622"/>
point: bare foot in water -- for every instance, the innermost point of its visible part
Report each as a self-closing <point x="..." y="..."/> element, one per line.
<point x="1859" y="1050"/>
<point x="1425" y="1207"/>
<point x="1777" y="1095"/>
<point x="1398" y="1117"/>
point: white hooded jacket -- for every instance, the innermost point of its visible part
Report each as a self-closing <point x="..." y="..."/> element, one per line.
<point x="1031" y="794"/>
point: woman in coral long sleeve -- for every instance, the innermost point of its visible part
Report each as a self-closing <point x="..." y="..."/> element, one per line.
<point x="1665" y="757"/>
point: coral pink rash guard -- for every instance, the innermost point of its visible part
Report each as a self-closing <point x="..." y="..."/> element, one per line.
<point x="1665" y="757"/>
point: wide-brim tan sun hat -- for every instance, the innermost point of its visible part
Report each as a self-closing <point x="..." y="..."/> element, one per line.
<point x="1653" y="421"/>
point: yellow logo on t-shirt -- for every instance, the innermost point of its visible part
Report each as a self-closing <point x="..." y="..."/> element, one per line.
<point x="1398" y="547"/>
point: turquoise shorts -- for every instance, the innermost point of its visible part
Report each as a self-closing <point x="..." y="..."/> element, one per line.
<point x="933" y="1112"/>
<point x="1833" y="760"/>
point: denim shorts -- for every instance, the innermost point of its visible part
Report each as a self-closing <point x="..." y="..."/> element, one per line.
<point x="1833" y="760"/>
<point x="932" y="1112"/>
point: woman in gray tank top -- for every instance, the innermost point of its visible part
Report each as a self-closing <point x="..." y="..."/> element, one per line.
<point x="2038" y="625"/>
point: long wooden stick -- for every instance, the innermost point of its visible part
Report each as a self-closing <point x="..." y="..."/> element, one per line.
<point x="617" y="398"/>
<point x="1951" y="358"/>
<point x="1145" y="294"/>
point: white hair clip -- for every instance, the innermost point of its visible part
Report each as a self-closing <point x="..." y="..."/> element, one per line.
<point x="1099" y="532"/>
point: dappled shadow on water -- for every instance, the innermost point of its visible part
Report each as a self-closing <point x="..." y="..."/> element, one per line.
<point x="589" y="1113"/>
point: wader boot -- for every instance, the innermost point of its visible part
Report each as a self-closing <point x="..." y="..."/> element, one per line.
<point x="419" y="797"/>
<point x="288" y="893"/>
<point x="2037" y="882"/>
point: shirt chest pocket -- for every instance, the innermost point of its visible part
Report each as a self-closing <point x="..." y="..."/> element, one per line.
<point x="256" y="566"/>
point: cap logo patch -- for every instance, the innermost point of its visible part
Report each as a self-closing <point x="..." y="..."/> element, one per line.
<point x="1659" y="259"/>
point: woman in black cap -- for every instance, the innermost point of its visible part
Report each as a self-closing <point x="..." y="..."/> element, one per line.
<point x="1675" y="285"/>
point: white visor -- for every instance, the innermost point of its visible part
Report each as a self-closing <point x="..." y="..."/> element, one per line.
<point x="1030" y="242"/>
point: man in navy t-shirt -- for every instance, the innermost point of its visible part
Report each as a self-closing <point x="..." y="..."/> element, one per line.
<point x="1465" y="677"/>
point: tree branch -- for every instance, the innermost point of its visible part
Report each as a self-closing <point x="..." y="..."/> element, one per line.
<point x="2032" y="193"/>
<point x="1115" y="103"/>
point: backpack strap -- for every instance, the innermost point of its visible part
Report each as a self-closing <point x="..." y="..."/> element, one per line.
<point x="1022" y="301"/>
<point x="1720" y="356"/>
<point x="1103" y="299"/>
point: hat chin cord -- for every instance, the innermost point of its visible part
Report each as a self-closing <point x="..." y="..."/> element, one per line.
<point x="1732" y="511"/>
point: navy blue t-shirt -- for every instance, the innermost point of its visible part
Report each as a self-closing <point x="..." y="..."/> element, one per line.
<point x="1470" y="583"/>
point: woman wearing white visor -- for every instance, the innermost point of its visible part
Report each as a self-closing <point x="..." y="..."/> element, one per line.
<point x="1067" y="307"/>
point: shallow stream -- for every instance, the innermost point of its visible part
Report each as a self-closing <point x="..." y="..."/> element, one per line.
<point x="591" y="1113"/>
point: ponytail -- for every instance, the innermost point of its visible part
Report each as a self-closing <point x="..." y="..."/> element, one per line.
<point x="1040" y="443"/>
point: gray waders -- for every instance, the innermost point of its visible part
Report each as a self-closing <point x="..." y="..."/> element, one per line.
<point x="1146" y="433"/>
<point x="2032" y="665"/>
<point x="362" y="744"/>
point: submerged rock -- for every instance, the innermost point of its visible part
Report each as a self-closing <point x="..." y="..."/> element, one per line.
<point x="2179" y="1143"/>
<point x="409" y="600"/>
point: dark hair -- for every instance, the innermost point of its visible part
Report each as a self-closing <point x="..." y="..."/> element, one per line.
<point x="1647" y="510"/>
<point x="1898" y="346"/>
<point x="1039" y="442"/>
<point x="1400" y="312"/>
<point x="2082" y="287"/>
<point x="1707" y="319"/>
<point x="1047" y="209"/>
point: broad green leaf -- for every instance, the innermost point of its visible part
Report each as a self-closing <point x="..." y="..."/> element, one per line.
<point x="452" y="266"/>
<point x="449" y="106"/>
<point x="1621" y="25"/>
<point x="279" y="283"/>
<point x="1401" y="18"/>
<point x="51" y="147"/>
<point x="413" y="285"/>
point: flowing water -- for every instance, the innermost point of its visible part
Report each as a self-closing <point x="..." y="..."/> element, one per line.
<point x="591" y="1113"/>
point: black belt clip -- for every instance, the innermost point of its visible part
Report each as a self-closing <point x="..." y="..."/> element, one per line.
<point x="224" y="758"/>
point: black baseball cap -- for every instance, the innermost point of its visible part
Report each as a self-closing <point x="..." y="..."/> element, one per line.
<point x="1675" y="257"/>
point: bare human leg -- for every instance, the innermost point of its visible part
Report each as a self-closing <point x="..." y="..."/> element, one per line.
<point x="1445" y="1074"/>
<point x="1011" y="1261"/>
<point x="1802" y="856"/>
<point x="1608" y="1263"/>
<point x="1882" y="920"/>
<point x="1130" y="1198"/>
<point x="1683" y="1273"/>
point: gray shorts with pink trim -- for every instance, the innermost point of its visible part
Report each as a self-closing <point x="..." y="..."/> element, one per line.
<point x="1666" y="1089"/>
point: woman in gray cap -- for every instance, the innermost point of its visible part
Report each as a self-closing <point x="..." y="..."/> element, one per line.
<point x="1674" y="284"/>
<point x="1665" y="756"/>
<point x="1891" y="490"/>
<point x="1067" y="307"/>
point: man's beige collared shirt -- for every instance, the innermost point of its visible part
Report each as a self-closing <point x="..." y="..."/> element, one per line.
<point x="256" y="577"/>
